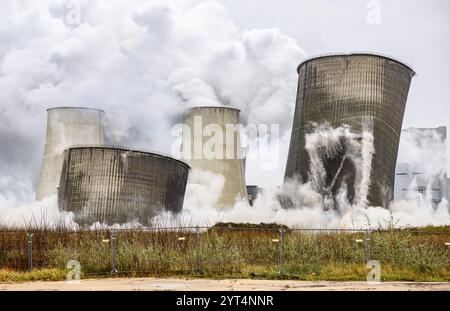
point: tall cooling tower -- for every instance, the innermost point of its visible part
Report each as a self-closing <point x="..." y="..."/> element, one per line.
<point x="66" y="126"/>
<point x="207" y="131"/>
<point x="361" y="91"/>
<point x="116" y="185"/>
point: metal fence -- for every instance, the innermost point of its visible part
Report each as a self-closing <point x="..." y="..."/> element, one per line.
<point x="222" y="250"/>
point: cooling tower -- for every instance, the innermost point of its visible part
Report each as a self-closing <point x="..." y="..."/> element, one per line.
<point x="116" y="185"/>
<point x="66" y="126"/>
<point x="365" y="92"/>
<point x="211" y="142"/>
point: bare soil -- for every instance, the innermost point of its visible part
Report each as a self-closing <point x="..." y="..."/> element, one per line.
<point x="156" y="284"/>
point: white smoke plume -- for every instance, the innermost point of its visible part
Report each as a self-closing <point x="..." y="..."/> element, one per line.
<point x="308" y="204"/>
<point x="204" y="188"/>
<point x="143" y="62"/>
<point x="425" y="150"/>
<point x="44" y="214"/>
<point x="326" y="141"/>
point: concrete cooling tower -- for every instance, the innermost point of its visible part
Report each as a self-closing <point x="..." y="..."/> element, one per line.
<point x="365" y="92"/>
<point x="211" y="142"/>
<point x="116" y="185"/>
<point x="66" y="126"/>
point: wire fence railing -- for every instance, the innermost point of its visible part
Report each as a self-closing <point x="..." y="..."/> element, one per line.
<point x="222" y="250"/>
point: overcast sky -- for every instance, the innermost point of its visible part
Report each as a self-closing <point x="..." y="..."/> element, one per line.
<point x="414" y="31"/>
<point x="144" y="61"/>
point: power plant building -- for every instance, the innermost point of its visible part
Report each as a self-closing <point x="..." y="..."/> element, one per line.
<point x="115" y="185"/>
<point x="447" y="193"/>
<point x="211" y="142"/>
<point x="66" y="126"/>
<point x="413" y="176"/>
<point x="365" y="92"/>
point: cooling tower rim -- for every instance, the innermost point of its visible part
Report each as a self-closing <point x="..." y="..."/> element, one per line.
<point x="128" y="150"/>
<point x="75" y="108"/>
<point x="379" y="55"/>
<point x="215" y="107"/>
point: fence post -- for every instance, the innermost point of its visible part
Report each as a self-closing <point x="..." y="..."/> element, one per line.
<point x="197" y="252"/>
<point x="30" y="252"/>
<point x="281" y="270"/>
<point x="367" y="245"/>
<point x="112" y="240"/>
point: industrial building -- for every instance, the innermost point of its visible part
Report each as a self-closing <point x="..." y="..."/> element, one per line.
<point x="432" y="185"/>
<point x="211" y="142"/>
<point x="364" y="92"/>
<point x="66" y="126"/>
<point x="447" y="193"/>
<point x="117" y="185"/>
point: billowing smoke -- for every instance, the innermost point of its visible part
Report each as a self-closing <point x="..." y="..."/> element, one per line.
<point x="143" y="62"/>
<point x="309" y="204"/>
<point x="311" y="200"/>
<point x="425" y="150"/>
<point x="351" y="149"/>
<point x="39" y="214"/>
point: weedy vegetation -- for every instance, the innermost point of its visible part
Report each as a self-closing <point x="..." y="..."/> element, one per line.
<point x="227" y="251"/>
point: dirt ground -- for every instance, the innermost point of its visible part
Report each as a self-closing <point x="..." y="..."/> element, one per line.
<point x="154" y="284"/>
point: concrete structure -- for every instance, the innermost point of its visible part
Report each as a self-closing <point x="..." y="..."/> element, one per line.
<point x="253" y="193"/>
<point x="211" y="142"/>
<point x="447" y="195"/>
<point x="66" y="126"/>
<point x="432" y="185"/>
<point x="116" y="185"/>
<point x="363" y="91"/>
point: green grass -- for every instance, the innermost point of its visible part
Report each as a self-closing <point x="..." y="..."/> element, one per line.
<point x="7" y="276"/>
<point x="405" y="255"/>
<point x="329" y="272"/>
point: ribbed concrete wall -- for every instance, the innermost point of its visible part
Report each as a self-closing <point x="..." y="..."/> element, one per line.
<point x="115" y="185"/>
<point x="448" y="188"/>
<point x="351" y="89"/>
<point x="66" y="126"/>
<point x="231" y="164"/>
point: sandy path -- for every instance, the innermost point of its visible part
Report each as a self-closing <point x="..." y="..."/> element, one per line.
<point x="152" y="284"/>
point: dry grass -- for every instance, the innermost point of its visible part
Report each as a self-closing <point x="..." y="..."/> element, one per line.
<point x="419" y="255"/>
<point x="7" y="275"/>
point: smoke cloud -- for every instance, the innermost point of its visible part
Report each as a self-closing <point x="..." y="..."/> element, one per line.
<point x="310" y="200"/>
<point x="425" y="150"/>
<point x="40" y="214"/>
<point x="145" y="62"/>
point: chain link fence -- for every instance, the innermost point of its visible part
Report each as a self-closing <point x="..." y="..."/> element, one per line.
<point x="223" y="250"/>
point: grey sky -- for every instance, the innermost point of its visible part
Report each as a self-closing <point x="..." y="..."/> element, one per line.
<point x="414" y="31"/>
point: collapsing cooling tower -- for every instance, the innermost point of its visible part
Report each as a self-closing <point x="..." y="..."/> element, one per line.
<point x="112" y="185"/>
<point x="363" y="91"/>
<point x="209" y="146"/>
<point x="66" y="126"/>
